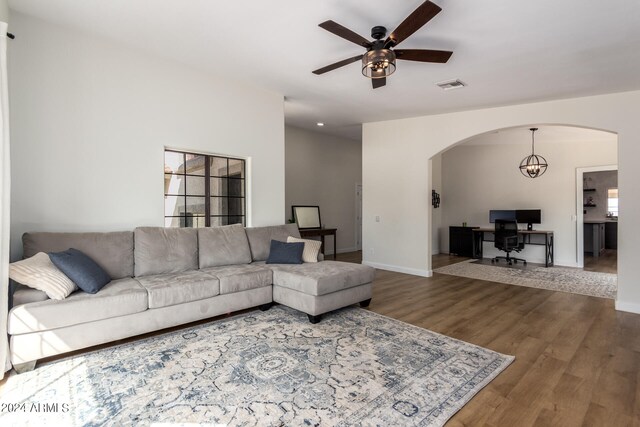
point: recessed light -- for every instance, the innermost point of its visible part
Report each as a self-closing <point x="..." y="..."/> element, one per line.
<point x="320" y="124"/>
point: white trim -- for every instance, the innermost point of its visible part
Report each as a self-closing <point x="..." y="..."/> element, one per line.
<point x="630" y="307"/>
<point x="248" y="191"/>
<point x="341" y="251"/>
<point x="580" y="208"/>
<point x="399" y="269"/>
<point x="358" y="224"/>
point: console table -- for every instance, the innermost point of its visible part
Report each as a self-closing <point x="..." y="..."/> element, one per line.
<point x="321" y="232"/>
<point x="479" y="237"/>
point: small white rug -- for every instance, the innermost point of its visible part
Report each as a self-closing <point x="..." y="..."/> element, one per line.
<point x="564" y="279"/>
<point x="273" y="368"/>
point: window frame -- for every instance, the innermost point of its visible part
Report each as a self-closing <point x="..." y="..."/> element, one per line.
<point x="208" y="196"/>
<point x="614" y="214"/>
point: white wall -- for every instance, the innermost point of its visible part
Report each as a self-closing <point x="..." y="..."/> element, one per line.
<point x="90" y="120"/>
<point x="323" y="170"/>
<point x="437" y="230"/>
<point x="478" y="178"/>
<point x="396" y="176"/>
<point x="4" y="11"/>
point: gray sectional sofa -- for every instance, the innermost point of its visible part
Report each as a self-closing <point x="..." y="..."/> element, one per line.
<point x="164" y="277"/>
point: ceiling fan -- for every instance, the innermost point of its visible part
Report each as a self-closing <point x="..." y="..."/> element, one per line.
<point x="379" y="61"/>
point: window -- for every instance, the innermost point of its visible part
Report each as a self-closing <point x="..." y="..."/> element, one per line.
<point x="612" y="202"/>
<point x="202" y="190"/>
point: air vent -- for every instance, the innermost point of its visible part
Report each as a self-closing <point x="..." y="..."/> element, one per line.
<point x="451" y="84"/>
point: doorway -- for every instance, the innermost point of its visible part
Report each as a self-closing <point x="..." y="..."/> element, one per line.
<point x="597" y="218"/>
<point x="358" y="228"/>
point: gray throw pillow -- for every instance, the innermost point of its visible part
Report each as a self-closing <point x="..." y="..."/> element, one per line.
<point x="81" y="269"/>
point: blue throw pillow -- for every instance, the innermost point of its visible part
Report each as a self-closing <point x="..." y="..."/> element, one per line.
<point x="285" y="253"/>
<point x="82" y="270"/>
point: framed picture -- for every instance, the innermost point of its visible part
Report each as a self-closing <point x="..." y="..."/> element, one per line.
<point x="306" y="216"/>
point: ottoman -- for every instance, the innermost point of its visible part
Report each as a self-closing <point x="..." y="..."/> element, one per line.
<point x="317" y="288"/>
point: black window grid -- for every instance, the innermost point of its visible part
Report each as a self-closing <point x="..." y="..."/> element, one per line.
<point x="187" y="219"/>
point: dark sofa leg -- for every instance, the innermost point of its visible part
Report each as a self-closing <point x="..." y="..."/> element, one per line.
<point x="314" y="319"/>
<point x="265" y="307"/>
<point x="365" y="303"/>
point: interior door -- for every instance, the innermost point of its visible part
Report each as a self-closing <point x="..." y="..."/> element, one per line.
<point x="358" y="217"/>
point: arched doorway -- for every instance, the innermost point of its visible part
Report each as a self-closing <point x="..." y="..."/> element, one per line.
<point x="480" y="174"/>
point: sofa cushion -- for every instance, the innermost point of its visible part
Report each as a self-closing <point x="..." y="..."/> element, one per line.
<point x="165" y="250"/>
<point x="260" y="238"/>
<point x="38" y="272"/>
<point x="177" y="288"/>
<point x="111" y="251"/>
<point x="118" y="298"/>
<point x="225" y="245"/>
<point x="236" y="278"/>
<point x="81" y="269"/>
<point x="24" y="295"/>
<point x="323" y="277"/>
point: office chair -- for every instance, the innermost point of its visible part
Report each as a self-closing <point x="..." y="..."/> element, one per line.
<point x="508" y="240"/>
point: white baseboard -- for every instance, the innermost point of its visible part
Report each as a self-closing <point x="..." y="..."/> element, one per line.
<point x="572" y="264"/>
<point x="436" y="252"/>
<point x="630" y="307"/>
<point x="342" y="250"/>
<point x="400" y="269"/>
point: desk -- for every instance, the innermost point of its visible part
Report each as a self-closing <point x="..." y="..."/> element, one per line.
<point x="478" y="238"/>
<point x="312" y="232"/>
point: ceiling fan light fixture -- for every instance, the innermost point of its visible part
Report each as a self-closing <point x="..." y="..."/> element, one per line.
<point x="378" y="63"/>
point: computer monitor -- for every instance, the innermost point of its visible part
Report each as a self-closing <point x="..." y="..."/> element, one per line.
<point x="501" y="214"/>
<point x="529" y="217"/>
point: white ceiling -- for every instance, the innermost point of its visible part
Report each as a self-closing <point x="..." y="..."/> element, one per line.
<point x="508" y="51"/>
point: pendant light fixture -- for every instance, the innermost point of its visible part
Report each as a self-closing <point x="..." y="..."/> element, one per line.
<point x="533" y="165"/>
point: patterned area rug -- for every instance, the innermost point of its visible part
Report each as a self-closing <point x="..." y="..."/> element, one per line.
<point x="355" y="368"/>
<point x="565" y="279"/>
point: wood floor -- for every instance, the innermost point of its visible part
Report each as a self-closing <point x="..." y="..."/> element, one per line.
<point x="577" y="359"/>
<point x="605" y="263"/>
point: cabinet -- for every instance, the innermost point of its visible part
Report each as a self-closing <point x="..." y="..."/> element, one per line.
<point x="594" y="238"/>
<point x="611" y="235"/>
<point x="461" y="241"/>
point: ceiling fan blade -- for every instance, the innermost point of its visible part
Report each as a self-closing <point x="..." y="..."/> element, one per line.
<point x="423" y="55"/>
<point x="338" y="64"/>
<point x="423" y="14"/>
<point x="345" y="33"/>
<point x="378" y="82"/>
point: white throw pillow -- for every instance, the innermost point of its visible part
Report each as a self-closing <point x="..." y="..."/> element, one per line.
<point x="38" y="272"/>
<point x="311" y="248"/>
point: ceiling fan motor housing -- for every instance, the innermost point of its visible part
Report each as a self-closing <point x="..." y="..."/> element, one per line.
<point x="378" y="32"/>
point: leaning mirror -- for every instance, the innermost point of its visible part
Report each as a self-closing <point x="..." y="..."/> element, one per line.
<point x="306" y="216"/>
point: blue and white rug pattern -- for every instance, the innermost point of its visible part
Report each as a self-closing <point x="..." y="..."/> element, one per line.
<point x="563" y="279"/>
<point x="274" y="368"/>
